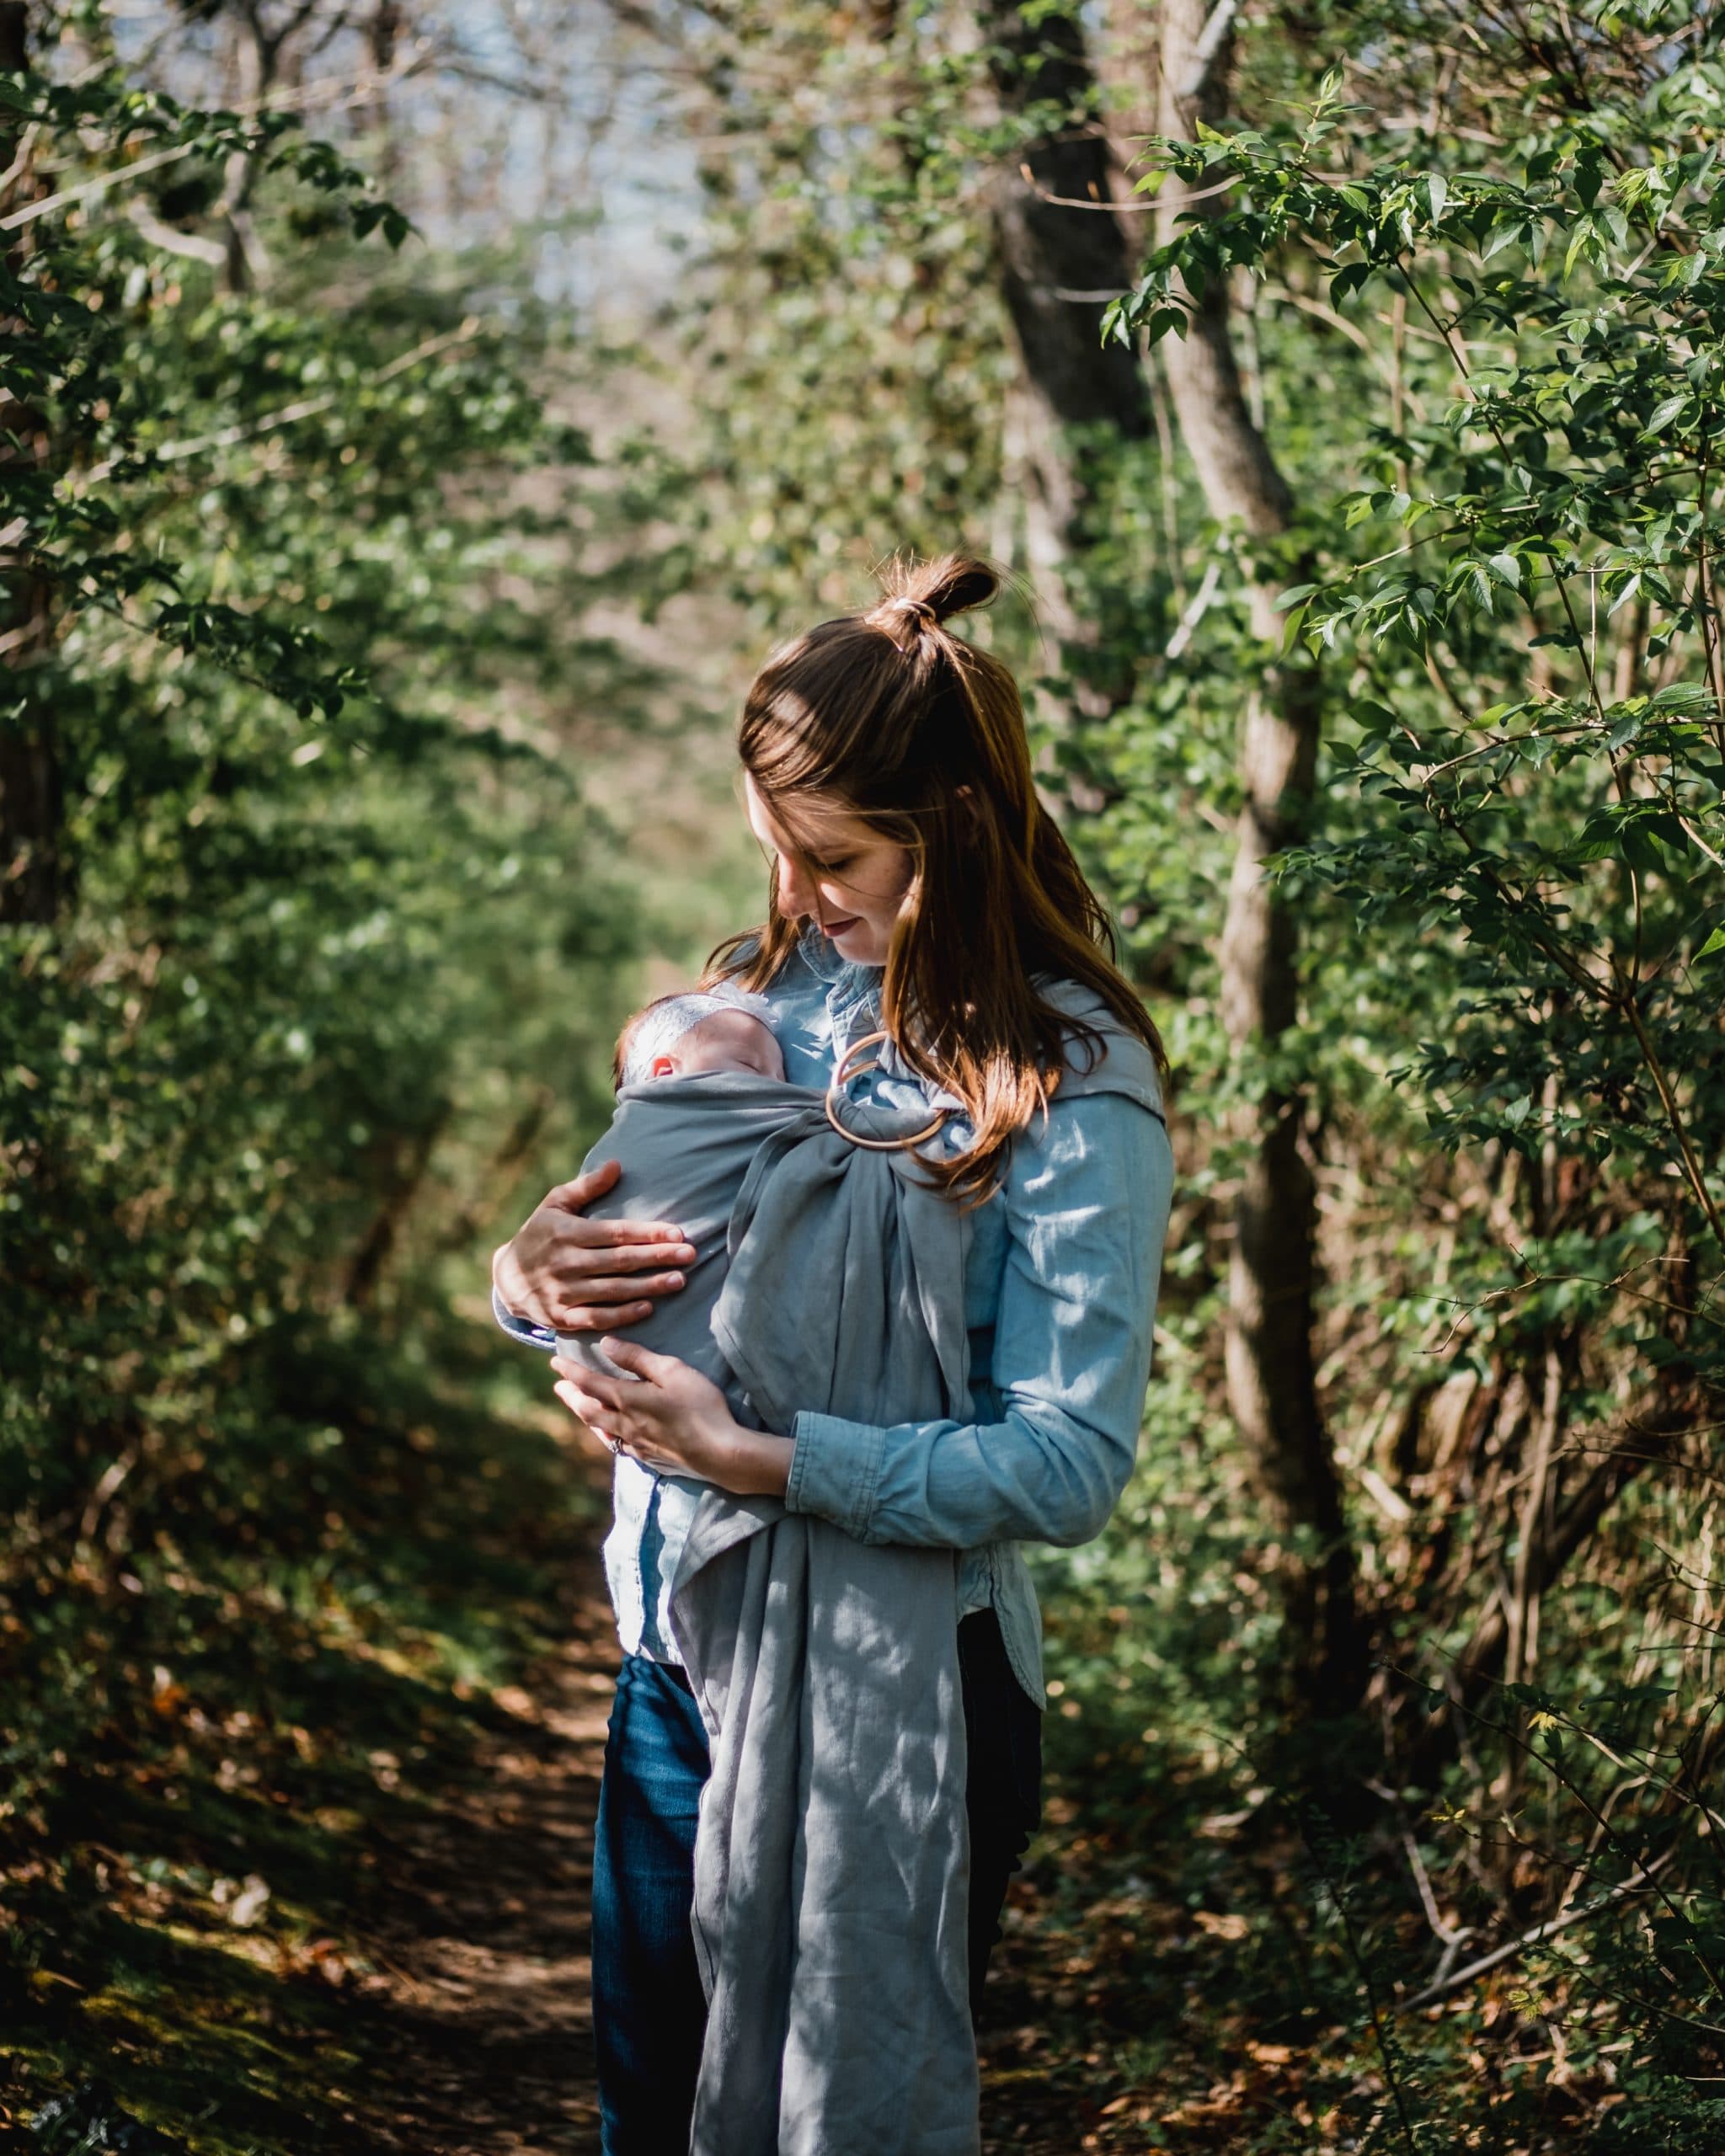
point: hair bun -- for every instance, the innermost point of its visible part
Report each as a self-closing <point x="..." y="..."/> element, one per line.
<point x="934" y="591"/>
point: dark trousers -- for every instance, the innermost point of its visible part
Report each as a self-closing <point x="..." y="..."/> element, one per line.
<point x="648" y="2011"/>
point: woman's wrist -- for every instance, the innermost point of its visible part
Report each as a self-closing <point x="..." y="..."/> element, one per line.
<point x="508" y="1283"/>
<point x="498" y="1257"/>
<point x="756" y="1464"/>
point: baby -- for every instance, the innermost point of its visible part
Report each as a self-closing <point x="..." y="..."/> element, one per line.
<point x="692" y="1035"/>
<point x="700" y="1084"/>
<point x="696" y="1075"/>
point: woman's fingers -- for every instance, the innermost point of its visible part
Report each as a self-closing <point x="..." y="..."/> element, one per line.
<point x="578" y="1275"/>
<point x="639" y="1242"/>
<point x="575" y="1195"/>
<point x="608" y="1288"/>
<point x="583" y="1410"/>
<point x="601" y="1317"/>
<point x="596" y="1305"/>
<point x="603" y="1392"/>
<point x="582" y="1190"/>
<point x="606" y="1255"/>
<point x="616" y="1288"/>
<point x="586" y="1390"/>
<point x="641" y="1361"/>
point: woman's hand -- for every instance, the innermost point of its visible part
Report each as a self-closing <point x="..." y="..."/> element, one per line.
<point x="673" y="1420"/>
<point x="577" y="1275"/>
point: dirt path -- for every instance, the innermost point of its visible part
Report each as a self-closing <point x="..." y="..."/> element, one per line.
<point x="481" y="2011"/>
<point x="483" y="2008"/>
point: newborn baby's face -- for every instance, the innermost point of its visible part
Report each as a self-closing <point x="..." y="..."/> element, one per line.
<point x="729" y="1040"/>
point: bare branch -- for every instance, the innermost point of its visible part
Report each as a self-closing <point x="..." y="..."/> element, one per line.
<point x="1536" y="1937"/>
<point x="1211" y="39"/>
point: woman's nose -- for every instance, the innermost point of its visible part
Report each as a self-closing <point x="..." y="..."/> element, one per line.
<point x="795" y="899"/>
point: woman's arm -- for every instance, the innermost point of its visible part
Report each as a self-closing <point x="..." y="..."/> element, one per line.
<point x="1086" y="1196"/>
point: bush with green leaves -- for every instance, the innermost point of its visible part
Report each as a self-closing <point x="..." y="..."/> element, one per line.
<point x="308" y="954"/>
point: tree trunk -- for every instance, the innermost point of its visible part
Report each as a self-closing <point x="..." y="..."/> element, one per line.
<point x="1059" y="267"/>
<point x="411" y="1154"/>
<point x="1272" y="1380"/>
<point x="33" y="869"/>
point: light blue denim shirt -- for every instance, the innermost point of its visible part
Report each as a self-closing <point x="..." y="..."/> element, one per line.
<point x="1060" y="1275"/>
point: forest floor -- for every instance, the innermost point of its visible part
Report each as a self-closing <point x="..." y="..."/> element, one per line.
<point x="306" y="1866"/>
<point x="477" y="2008"/>
<point x="316" y="1877"/>
<point x="296" y="1847"/>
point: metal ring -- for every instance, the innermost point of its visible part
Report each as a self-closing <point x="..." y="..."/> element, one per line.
<point x="842" y="1077"/>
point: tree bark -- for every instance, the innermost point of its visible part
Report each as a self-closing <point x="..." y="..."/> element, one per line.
<point x="1059" y="266"/>
<point x="1272" y="1378"/>
<point x="33" y="874"/>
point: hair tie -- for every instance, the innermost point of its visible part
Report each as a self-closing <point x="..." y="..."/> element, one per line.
<point x="918" y="609"/>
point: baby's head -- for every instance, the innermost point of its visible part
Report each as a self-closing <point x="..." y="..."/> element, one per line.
<point x="687" y="1036"/>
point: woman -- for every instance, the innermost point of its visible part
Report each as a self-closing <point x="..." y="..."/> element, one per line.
<point x="918" y="890"/>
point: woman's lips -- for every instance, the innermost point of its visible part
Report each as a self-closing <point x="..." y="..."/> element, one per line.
<point x="839" y="927"/>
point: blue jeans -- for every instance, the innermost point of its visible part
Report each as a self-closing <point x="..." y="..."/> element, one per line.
<point x="649" y="2010"/>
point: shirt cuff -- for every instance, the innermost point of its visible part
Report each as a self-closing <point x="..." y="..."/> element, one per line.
<point x="520" y="1328"/>
<point x="835" y="1470"/>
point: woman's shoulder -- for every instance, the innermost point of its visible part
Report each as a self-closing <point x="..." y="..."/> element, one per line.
<point x="1102" y="1056"/>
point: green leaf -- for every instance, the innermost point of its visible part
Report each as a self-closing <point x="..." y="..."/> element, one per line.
<point x="1641" y="851"/>
<point x="1665" y="411"/>
<point x="1582" y="237"/>
<point x="1501" y="235"/>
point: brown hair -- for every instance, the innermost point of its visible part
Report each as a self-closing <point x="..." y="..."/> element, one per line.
<point x="892" y="716"/>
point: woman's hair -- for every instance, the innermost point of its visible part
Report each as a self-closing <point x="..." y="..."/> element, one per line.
<point x="891" y="715"/>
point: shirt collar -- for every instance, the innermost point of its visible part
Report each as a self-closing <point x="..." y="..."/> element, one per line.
<point x="827" y="965"/>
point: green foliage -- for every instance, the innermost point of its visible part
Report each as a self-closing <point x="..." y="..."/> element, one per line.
<point x="311" y="964"/>
<point x="1482" y="350"/>
<point x="1571" y="840"/>
<point x="308" y="961"/>
<point x="1511" y="515"/>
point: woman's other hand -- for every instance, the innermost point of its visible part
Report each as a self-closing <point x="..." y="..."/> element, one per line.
<point x="576" y="1275"/>
<point x="673" y="1420"/>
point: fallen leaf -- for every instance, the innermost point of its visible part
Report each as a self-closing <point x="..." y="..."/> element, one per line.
<point x="1221" y="1927"/>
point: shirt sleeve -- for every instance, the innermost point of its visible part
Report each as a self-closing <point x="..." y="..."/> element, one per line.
<point x="520" y="1328"/>
<point x="1087" y="1195"/>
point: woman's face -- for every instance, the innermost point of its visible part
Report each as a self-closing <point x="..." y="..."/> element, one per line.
<point x="835" y="870"/>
